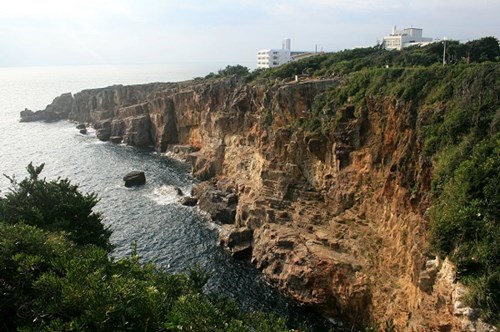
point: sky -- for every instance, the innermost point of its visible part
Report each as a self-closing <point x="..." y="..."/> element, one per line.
<point x="82" y="32"/>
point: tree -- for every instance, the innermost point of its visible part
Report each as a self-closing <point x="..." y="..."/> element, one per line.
<point x="47" y="283"/>
<point x="55" y="206"/>
<point x="484" y="49"/>
<point x="234" y="70"/>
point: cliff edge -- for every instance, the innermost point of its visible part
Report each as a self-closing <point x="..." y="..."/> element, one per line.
<point x="326" y="183"/>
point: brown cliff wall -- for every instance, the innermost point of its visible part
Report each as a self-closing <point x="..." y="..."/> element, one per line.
<point x="338" y="222"/>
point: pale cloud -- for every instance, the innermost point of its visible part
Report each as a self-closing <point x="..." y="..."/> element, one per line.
<point x="131" y="31"/>
<point x="383" y="5"/>
<point x="284" y="10"/>
<point x="356" y="5"/>
<point x="27" y="9"/>
<point x="461" y="4"/>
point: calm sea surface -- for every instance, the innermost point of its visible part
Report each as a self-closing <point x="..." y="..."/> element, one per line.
<point x="171" y="235"/>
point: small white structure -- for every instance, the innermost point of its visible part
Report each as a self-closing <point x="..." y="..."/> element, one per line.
<point x="398" y="40"/>
<point x="274" y="57"/>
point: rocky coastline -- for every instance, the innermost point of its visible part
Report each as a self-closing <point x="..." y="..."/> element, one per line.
<point x="338" y="222"/>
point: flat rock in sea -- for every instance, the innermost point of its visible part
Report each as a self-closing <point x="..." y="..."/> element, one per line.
<point x="29" y="116"/>
<point x="134" y="178"/>
<point x="188" y="201"/>
<point x="115" y="139"/>
<point x="179" y="191"/>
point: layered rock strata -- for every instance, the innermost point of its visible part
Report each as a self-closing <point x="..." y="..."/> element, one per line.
<point x="338" y="222"/>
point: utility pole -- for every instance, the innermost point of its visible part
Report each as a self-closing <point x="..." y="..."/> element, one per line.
<point x="444" y="51"/>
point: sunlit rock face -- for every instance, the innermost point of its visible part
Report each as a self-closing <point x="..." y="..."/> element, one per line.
<point x="336" y="221"/>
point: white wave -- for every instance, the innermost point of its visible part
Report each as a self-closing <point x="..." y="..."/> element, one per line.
<point x="99" y="142"/>
<point x="91" y="132"/>
<point x="209" y="222"/>
<point x="174" y="156"/>
<point x="165" y="195"/>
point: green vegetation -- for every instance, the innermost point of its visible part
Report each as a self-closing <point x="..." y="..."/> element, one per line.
<point x="458" y="122"/>
<point x="237" y="70"/>
<point x="54" y="206"/>
<point x="349" y="61"/>
<point x="55" y="270"/>
<point x="54" y="276"/>
<point x="465" y="216"/>
<point x="267" y="117"/>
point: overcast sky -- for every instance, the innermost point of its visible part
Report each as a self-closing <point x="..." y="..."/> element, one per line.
<point x="62" y="32"/>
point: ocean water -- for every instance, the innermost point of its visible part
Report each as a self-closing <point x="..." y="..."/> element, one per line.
<point x="165" y="232"/>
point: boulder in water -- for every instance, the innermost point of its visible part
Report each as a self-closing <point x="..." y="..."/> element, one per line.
<point x="83" y="131"/>
<point x="134" y="178"/>
<point x="28" y="115"/>
<point x="81" y="126"/>
<point x="115" y="139"/>
<point x="188" y="201"/>
<point x="179" y="191"/>
<point x="238" y="241"/>
<point x="243" y="253"/>
<point x="220" y="204"/>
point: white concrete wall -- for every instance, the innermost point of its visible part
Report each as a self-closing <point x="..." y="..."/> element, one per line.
<point x="272" y="58"/>
<point x="397" y="40"/>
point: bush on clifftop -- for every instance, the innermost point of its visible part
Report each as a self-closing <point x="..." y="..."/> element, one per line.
<point x="237" y="70"/>
<point x="349" y="61"/>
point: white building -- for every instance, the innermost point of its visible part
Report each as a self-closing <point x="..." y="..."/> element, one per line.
<point x="274" y="57"/>
<point x="398" y="40"/>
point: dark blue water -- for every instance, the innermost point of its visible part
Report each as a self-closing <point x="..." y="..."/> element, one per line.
<point x="165" y="232"/>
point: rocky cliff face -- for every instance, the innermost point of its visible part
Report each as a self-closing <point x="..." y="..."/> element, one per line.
<point x="338" y="222"/>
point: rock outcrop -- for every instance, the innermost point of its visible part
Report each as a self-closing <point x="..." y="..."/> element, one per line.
<point x="220" y="204"/>
<point x="188" y="201"/>
<point x="134" y="178"/>
<point x="338" y="222"/>
<point x="57" y="110"/>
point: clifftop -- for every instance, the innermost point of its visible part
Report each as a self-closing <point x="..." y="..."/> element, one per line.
<point x="340" y="181"/>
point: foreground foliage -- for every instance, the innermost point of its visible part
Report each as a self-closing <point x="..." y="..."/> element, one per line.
<point x="55" y="206"/>
<point x="50" y="282"/>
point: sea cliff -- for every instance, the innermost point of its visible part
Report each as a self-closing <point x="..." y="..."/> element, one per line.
<point x="325" y="189"/>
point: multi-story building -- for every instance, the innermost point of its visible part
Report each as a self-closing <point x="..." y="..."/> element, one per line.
<point x="274" y="57"/>
<point x="398" y="40"/>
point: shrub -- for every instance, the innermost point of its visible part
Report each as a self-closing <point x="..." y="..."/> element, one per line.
<point x="54" y="205"/>
<point x="466" y="225"/>
<point x="234" y="70"/>
<point x="48" y="283"/>
<point x="237" y="70"/>
<point x="349" y="61"/>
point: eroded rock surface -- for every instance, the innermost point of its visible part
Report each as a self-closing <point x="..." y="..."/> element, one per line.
<point x="337" y="222"/>
<point x="220" y="204"/>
